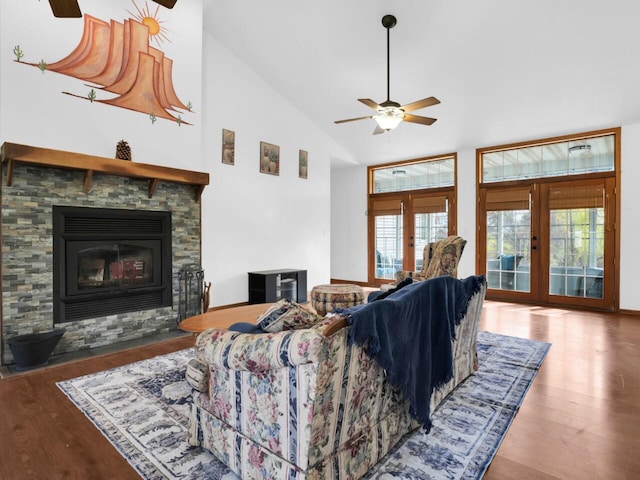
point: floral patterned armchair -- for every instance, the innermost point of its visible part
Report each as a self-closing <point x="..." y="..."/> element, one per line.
<point x="439" y="258"/>
<point x="306" y="404"/>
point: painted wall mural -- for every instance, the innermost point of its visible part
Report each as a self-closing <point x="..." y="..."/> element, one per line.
<point x="121" y="67"/>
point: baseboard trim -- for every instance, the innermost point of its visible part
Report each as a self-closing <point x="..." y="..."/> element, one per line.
<point x="224" y="307"/>
<point x="632" y="313"/>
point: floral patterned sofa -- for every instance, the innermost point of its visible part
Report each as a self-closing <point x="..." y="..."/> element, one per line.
<point x="307" y="403"/>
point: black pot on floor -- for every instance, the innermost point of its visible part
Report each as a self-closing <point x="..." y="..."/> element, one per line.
<point x="33" y="350"/>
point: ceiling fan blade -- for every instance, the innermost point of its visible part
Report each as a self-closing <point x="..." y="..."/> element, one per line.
<point x="65" y="8"/>
<point x="378" y="130"/>
<point x="166" y="3"/>
<point x="418" y="119"/>
<point x="425" y="102"/>
<point x="352" y="119"/>
<point x="71" y="9"/>
<point x="370" y="103"/>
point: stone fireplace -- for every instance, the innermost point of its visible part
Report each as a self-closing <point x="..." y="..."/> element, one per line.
<point x="46" y="191"/>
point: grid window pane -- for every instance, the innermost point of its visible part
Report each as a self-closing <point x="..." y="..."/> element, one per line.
<point x="389" y="253"/>
<point x="429" y="227"/>
<point x="576" y="263"/>
<point x="509" y="250"/>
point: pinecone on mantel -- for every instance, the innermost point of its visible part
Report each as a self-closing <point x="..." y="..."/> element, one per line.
<point x="123" y="150"/>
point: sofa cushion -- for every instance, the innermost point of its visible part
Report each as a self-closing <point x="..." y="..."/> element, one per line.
<point x="286" y="315"/>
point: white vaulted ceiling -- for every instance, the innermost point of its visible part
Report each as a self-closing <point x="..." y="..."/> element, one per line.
<point x="505" y="71"/>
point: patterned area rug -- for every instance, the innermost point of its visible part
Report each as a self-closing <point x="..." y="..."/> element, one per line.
<point x="142" y="409"/>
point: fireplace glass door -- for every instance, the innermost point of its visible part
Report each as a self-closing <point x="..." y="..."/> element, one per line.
<point x="113" y="265"/>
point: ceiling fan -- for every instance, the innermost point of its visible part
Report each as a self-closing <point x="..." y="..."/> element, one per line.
<point x="389" y="114"/>
<point x="71" y="9"/>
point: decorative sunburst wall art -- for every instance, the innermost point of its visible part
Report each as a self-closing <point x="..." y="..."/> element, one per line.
<point x="120" y="67"/>
<point x="157" y="33"/>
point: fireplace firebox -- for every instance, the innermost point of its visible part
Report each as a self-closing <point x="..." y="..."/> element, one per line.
<point x="109" y="261"/>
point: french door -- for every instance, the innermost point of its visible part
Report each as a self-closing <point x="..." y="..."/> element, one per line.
<point x="400" y="225"/>
<point x="550" y="242"/>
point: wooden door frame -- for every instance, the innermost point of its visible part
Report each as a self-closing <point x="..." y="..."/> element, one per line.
<point x="609" y="287"/>
<point x="371" y="229"/>
<point x="405" y="197"/>
<point x="612" y="204"/>
<point x="481" y="241"/>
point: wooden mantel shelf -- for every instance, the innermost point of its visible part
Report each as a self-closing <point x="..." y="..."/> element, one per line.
<point x="46" y="157"/>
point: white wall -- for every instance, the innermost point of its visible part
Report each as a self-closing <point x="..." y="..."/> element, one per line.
<point x="36" y="112"/>
<point x="467" y="210"/>
<point x="629" y="225"/>
<point x="254" y="221"/>
<point x="349" y="223"/>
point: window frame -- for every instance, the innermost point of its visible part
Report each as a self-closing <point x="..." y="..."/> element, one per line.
<point x="407" y="197"/>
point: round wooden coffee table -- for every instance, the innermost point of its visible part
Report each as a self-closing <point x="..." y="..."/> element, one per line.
<point x="223" y="318"/>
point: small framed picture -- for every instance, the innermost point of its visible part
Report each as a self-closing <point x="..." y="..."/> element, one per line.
<point x="269" y="158"/>
<point x="303" y="163"/>
<point x="228" y="146"/>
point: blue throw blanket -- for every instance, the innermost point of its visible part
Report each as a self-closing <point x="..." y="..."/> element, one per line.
<point x="409" y="334"/>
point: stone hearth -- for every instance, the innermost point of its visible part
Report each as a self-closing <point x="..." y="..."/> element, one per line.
<point x="32" y="183"/>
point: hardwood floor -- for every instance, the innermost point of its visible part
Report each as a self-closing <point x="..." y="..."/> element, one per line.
<point x="579" y="420"/>
<point x="44" y="436"/>
<point x="581" y="417"/>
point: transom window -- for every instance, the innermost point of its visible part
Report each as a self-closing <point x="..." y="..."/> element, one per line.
<point x="415" y="176"/>
<point x="585" y="155"/>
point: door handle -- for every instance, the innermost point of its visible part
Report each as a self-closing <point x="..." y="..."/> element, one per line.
<point x="534" y="238"/>
<point x="533" y="247"/>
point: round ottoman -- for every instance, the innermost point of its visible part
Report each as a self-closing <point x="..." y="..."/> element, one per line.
<point x="327" y="298"/>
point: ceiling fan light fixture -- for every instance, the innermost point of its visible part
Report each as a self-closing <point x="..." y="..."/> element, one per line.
<point x="389" y="118"/>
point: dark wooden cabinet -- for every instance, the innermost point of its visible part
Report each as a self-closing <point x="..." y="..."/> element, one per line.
<point x="271" y="285"/>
